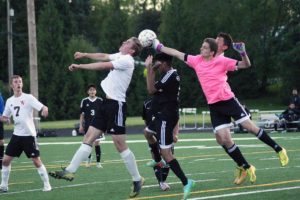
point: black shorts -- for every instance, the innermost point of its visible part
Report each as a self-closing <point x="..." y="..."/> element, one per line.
<point x="162" y="126"/>
<point x="18" y="144"/>
<point x="110" y="117"/>
<point x="1" y="131"/>
<point x="222" y="112"/>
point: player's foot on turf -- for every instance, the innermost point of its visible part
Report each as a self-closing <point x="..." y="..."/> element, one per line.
<point x="64" y="174"/>
<point x="136" y="188"/>
<point x="98" y="165"/>
<point x="3" y="189"/>
<point x="247" y="173"/>
<point x="188" y="188"/>
<point x="283" y="158"/>
<point x="152" y="163"/>
<point x="47" y="188"/>
<point x="237" y="174"/>
<point x="164" y="186"/>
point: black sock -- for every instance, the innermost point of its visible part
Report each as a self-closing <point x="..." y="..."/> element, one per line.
<point x="1" y="155"/>
<point x="90" y="156"/>
<point x="155" y="151"/>
<point x="175" y="167"/>
<point x="265" y="138"/>
<point x="98" y="153"/>
<point x="235" y="153"/>
<point x="158" y="174"/>
<point x="164" y="173"/>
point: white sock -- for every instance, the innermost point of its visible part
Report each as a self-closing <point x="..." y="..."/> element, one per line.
<point x="5" y="175"/>
<point x="81" y="155"/>
<point x="130" y="164"/>
<point x="43" y="174"/>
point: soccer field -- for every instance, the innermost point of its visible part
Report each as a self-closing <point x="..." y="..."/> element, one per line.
<point x="198" y="153"/>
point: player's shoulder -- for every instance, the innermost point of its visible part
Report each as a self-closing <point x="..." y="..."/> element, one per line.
<point x="99" y="99"/>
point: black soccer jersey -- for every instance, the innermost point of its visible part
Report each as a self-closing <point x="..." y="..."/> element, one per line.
<point x="88" y="108"/>
<point x="166" y="99"/>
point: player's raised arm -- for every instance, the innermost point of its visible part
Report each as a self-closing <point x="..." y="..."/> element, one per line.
<point x="170" y="51"/>
<point x="240" y="48"/>
<point x="93" y="56"/>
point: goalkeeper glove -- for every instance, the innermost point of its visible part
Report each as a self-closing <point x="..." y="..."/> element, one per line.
<point x="240" y="47"/>
<point x="157" y="45"/>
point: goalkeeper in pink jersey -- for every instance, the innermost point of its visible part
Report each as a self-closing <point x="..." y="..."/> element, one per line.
<point x="211" y="67"/>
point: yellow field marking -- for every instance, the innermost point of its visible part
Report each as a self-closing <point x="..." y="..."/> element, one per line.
<point x="221" y="189"/>
<point x="21" y="183"/>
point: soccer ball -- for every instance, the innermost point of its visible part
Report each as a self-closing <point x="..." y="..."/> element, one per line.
<point x="146" y="37"/>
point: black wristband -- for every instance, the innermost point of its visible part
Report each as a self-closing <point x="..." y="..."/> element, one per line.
<point x="185" y="57"/>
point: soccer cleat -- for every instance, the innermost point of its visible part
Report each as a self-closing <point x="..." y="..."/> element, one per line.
<point x="47" y="188"/>
<point x="237" y="174"/>
<point x="136" y="187"/>
<point x="283" y="158"/>
<point x="247" y="173"/>
<point x="64" y="174"/>
<point x="164" y="186"/>
<point x="3" y="189"/>
<point x="160" y="164"/>
<point x="188" y="188"/>
<point x="98" y="165"/>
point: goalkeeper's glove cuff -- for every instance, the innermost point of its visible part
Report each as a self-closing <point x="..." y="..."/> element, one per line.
<point x="243" y="54"/>
<point x="159" y="46"/>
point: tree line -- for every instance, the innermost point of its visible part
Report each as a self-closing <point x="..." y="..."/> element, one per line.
<point x="270" y="29"/>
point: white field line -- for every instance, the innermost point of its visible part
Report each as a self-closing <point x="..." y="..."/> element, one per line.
<point x="246" y="193"/>
<point x="95" y="183"/>
<point x="144" y="141"/>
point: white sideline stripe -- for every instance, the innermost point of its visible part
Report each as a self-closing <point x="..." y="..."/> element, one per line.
<point x="144" y="141"/>
<point x="245" y="193"/>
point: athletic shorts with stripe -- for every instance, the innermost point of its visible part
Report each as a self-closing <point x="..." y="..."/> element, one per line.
<point x="110" y="117"/>
<point x="18" y="144"/>
<point x="163" y="126"/>
<point x="222" y="112"/>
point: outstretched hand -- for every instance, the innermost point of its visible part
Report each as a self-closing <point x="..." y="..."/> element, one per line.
<point x="79" y="55"/>
<point x="239" y="47"/>
<point x="157" y="45"/>
<point x="73" y="67"/>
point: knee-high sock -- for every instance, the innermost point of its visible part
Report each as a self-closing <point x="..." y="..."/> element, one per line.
<point x="5" y="175"/>
<point x="265" y="138"/>
<point x="235" y="153"/>
<point x="98" y="153"/>
<point x="43" y="174"/>
<point x="81" y="155"/>
<point x="175" y="167"/>
<point x="130" y="163"/>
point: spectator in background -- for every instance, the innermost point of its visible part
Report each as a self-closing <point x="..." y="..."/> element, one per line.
<point x="291" y="114"/>
<point x="295" y="98"/>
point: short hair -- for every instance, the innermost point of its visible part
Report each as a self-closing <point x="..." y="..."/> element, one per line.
<point x="91" y="85"/>
<point x="227" y="39"/>
<point x="137" y="46"/>
<point x="14" y="77"/>
<point x="164" y="58"/>
<point x="212" y="44"/>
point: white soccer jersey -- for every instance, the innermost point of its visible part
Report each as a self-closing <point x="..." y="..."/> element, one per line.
<point x="21" y="109"/>
<point x="117" y="81"/>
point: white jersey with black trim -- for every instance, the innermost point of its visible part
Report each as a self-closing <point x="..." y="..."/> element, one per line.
<point x="118" y="79"/>
<point x="21" y="109"/>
